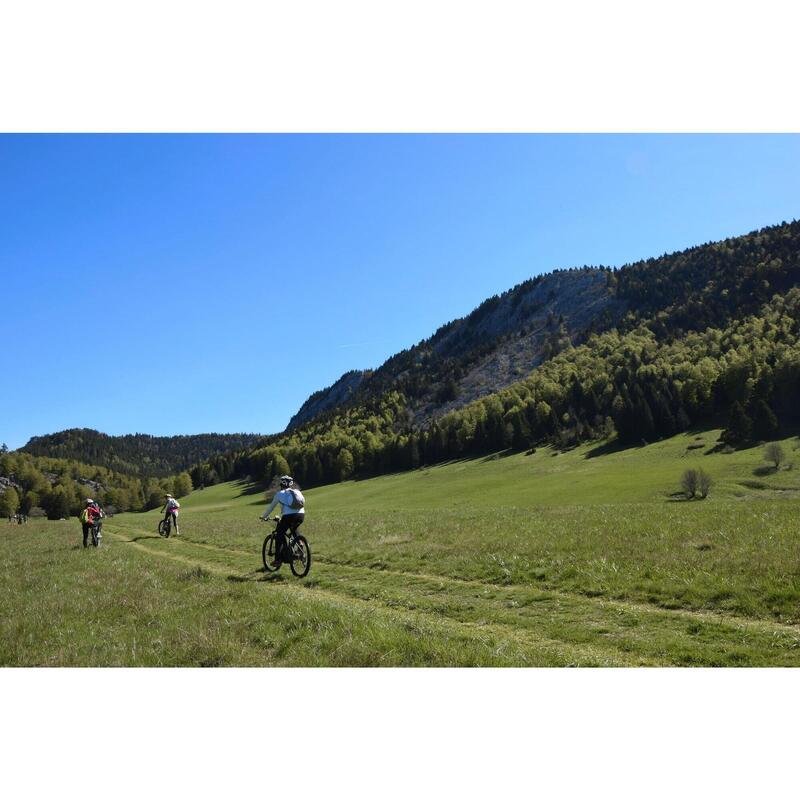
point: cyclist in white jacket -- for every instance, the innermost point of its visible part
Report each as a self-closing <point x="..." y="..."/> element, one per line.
<point x="171" y="506"/>
<point x="293" y="512"/>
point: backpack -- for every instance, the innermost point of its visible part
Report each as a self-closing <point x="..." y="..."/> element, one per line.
<point x="298" y="501"/>
<point x="84" y="517"/>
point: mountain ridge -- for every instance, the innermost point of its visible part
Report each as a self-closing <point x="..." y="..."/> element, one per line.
<point x="138" y="454"/>
<point x="495" y="344"/>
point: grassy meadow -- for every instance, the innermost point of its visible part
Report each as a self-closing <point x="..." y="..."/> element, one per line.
<point x="583" y="558"/>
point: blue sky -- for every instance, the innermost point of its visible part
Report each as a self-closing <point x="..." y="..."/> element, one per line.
<point x="181" y="284"/>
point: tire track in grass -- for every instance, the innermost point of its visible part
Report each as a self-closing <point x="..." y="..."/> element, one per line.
<point x="564" y="652"/>
<point x="638" y="632"/>
<point x="688" y="614"/>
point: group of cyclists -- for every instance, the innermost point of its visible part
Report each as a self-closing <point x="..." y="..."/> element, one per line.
<point x="288" y="497"/>
<point x="92" y="518"/>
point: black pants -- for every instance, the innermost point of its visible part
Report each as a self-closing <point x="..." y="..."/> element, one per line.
<point x="288" y="521"/>
<point x="87" y="527"/>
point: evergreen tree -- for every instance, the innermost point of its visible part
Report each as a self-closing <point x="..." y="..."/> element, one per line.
<point x="765" y="423"/>
<point x="740" y="426"/>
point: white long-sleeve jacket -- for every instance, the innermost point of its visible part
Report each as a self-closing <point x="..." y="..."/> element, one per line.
<point x="284" y="497"/>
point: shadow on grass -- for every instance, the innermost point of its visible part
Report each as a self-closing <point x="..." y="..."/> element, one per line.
<point x="766" y="469"/>
<point x="680" y="497"/>
<point x="499" y="454"/>
<point x="614" y="446"/>
<point x="247" y="488"/>
<point x="257" y="576"/>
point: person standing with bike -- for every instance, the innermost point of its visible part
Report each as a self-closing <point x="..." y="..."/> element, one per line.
<point x="90" y="518"/>
<point x="170" y="509"/>
<point x="293" y="513"/>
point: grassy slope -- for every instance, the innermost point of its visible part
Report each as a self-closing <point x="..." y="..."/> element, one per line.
<point x="545" y="559"/>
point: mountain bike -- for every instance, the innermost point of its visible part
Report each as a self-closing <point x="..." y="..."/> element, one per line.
<point x="165" y="527"/>
<point x="296" y="546"/>
<point x="96" y="533"/>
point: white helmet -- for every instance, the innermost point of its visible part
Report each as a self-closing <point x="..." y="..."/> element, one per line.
<point x="286" y="481"/>
<point x="89" y="501"/>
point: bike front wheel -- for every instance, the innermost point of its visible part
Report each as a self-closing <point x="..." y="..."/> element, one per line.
<point x="164" y="528"/>
<point x="301" y="557"/>
<point x="268" y="554"/>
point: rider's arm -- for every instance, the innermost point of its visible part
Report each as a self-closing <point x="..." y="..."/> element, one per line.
<point x="274" y="502"/>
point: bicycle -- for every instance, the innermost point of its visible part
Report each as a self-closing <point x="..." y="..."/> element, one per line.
<point x="296" y="546"/>
<point x="165" y="527"/>
<point x="96" y="533"/>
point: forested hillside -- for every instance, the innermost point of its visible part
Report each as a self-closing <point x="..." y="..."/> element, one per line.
<point x="137" y="454"/>
<point x="58" y="487"/>
<point x="706" y="336"/>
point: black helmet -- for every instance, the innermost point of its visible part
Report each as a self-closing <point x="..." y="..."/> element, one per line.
<point x="286" y="481"/>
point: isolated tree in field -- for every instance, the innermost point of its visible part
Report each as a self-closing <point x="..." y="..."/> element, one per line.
<point x="704" y="483"/>
<point x="9" y="502"/>
<point x="773" y="453"/>
<point x="690" y="482"/>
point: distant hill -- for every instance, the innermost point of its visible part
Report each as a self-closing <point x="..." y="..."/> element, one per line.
<point x="138" y="453"/>
<point x="707" y="336"/>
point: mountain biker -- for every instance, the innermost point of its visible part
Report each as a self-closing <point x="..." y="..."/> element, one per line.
<point x="91" y="515"/>
<point x="171" y="506"/>
<point x="293" y="514"/>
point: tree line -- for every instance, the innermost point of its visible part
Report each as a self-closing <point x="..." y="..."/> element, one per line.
<point x="138" y="453"/>
<point x="57" y="487"/>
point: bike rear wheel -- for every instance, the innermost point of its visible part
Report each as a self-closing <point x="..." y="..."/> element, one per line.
<point x="268" y="554"/>
<point x="301" y="557"/>
<point x="164" y="528"/>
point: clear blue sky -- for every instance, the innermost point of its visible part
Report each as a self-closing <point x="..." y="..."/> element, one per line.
<point x="181" y="284"/>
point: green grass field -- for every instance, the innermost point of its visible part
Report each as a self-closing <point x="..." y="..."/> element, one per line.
<point x="551" y="559"/>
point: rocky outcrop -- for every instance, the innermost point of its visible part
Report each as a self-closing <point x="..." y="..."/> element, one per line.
<point x="9" y="483"/>
<point x="330" y="397"/>
<point x="500" y="342"/>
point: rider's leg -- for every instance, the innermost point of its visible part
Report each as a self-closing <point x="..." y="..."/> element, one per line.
<point x="175" y="523"/>
<point x="85" y="533"/>
<point x="280" y="537"/>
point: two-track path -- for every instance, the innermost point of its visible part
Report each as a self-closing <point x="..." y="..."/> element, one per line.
<point x="544" y="626"/>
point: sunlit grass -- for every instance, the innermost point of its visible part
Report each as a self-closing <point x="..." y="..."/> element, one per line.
<point x="546" y="559"/>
